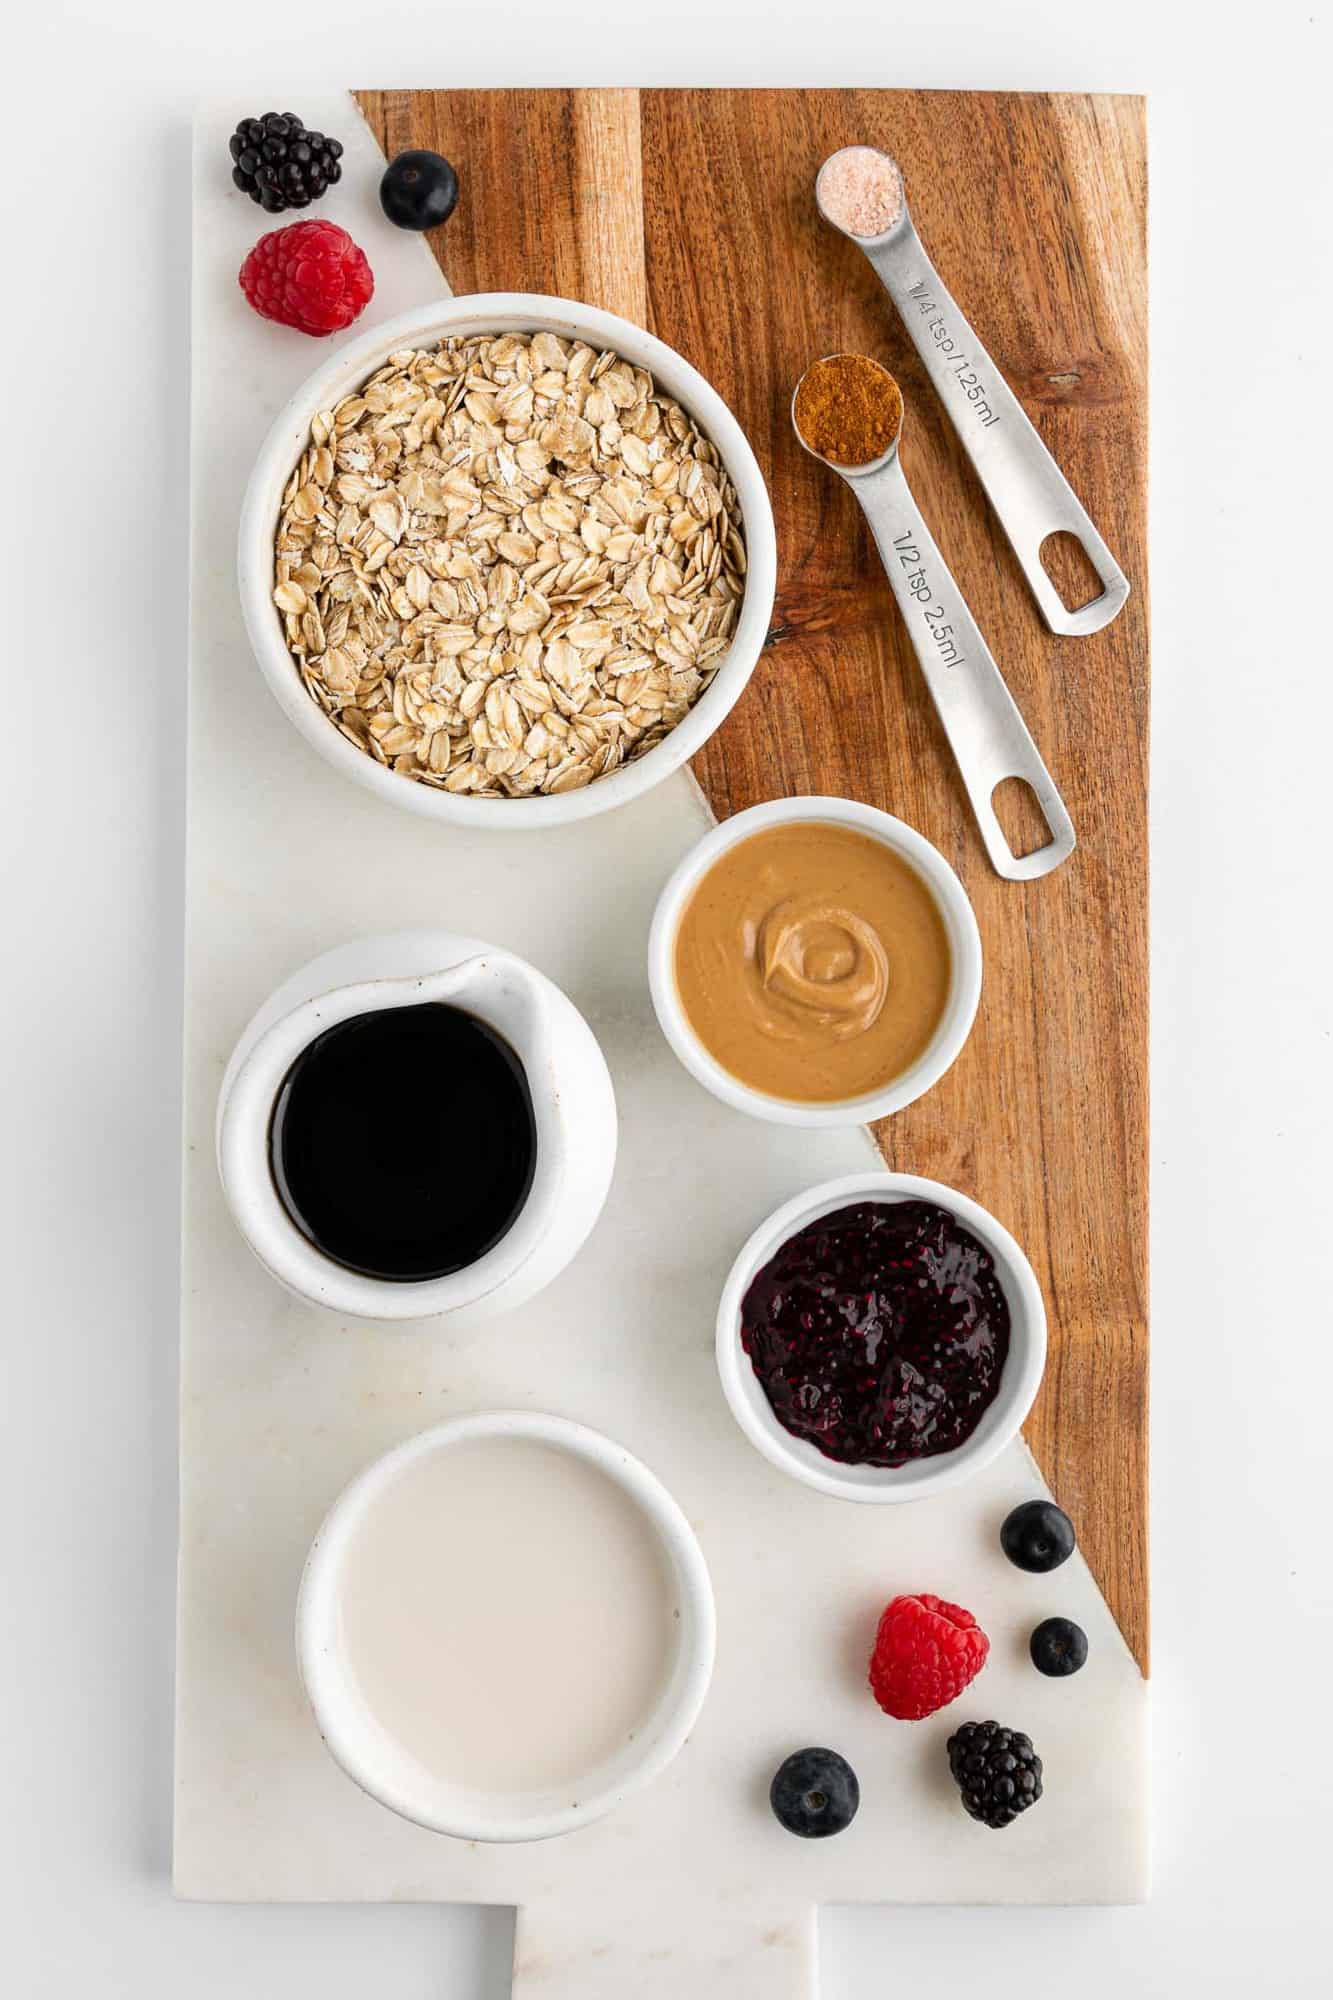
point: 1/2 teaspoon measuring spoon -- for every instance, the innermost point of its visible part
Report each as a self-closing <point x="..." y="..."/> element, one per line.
<point x="1031" y="496"/>
<point x="989" y="738"/>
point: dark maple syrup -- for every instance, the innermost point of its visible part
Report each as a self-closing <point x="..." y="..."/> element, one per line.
<point x="403" y="1141"/>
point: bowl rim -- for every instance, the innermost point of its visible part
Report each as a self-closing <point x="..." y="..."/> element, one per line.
<point x="960" y="922"/>
<point x="1019" y="1380"/>
<point x="461" y="1813"/>
<point x="501" y="312"/>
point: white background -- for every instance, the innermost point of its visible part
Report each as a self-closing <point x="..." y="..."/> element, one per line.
<point x="94" y="192"/>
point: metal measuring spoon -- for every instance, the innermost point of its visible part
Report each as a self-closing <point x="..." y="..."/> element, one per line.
<point x="988" y="736"/>
<point x="1031" y="496"/>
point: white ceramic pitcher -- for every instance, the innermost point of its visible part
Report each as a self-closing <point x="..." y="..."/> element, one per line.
<point x="572" y="1100"/>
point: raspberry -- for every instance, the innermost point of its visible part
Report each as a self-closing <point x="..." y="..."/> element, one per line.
<point x="309" y="275"/>
<point x="926" y="1653"/>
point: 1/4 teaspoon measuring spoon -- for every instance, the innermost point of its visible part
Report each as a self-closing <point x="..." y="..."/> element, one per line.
<point x="989" y="738"/>
<point x="1031" y="496"/>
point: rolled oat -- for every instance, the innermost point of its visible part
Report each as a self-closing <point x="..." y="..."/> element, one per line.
<point x="508" y="565"/>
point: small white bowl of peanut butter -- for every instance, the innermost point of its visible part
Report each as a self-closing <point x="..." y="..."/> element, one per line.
<point x="815" y="961"/>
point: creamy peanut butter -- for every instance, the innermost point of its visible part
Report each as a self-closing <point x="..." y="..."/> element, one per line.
<point x="812" y="962"/>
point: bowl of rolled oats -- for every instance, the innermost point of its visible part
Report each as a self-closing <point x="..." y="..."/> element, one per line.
<point x="507" y="560"/>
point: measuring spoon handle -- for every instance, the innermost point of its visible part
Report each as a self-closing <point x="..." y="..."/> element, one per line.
<point x="989" y="738"/>
<point x="1031" y="496"/>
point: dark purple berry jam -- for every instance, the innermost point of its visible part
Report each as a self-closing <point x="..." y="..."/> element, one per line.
<point x="879" y="1332"/>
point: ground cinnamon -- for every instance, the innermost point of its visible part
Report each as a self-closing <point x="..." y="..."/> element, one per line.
<point x="848" y="409"/>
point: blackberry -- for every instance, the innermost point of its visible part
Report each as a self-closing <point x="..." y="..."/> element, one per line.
<point x="997" y="1771"/>
<point x="281" y="165"/>
<point x="815" y="1793"/>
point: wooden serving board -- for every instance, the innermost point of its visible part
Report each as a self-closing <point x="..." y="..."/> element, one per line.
<point x="692" y="212"/>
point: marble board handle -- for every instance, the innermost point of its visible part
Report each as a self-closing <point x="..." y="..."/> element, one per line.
<point x="718" y="1944"/>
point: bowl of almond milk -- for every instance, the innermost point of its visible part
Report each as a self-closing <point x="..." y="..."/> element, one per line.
<point x="505" y="1626"/>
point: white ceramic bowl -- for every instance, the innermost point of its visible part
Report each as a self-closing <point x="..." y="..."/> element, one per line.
<point x="959" y="922"/>
<point x="376" y="1762"/>
<point x="1019" y="1379"/>
<point x="499" y="312"/>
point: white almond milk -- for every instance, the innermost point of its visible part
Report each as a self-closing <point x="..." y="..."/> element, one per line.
<point x="509" y="1614"/>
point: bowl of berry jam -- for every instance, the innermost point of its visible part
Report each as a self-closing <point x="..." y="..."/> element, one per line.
<point x="881" y="1337"/>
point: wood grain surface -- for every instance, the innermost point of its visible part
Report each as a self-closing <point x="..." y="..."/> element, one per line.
<point x="692" y="212"/>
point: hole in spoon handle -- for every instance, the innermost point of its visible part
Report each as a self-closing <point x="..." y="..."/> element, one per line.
<point x="1064" y="551"/>
<point x="1041" y="804"/>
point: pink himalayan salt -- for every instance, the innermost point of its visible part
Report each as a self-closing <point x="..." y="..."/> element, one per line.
<point x="861" y="190"/>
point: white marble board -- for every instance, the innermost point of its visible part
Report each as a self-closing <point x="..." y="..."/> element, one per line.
<point x="693" y="1882"/>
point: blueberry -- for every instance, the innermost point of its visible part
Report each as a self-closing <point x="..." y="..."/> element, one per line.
<point x="1058" y="1647"/>
<point x="1038" y="1536"/>
<point x="419" y="190"/>
<point x="815" y="1793"/>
